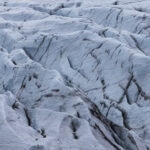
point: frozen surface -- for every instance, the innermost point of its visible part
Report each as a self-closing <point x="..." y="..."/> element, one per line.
<point x="74" y="75"/>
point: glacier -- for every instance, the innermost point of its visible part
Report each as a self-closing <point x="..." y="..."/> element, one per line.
<point x="75" y="75"/>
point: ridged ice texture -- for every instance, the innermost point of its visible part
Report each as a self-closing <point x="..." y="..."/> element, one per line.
<point x="74" y="75"/>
